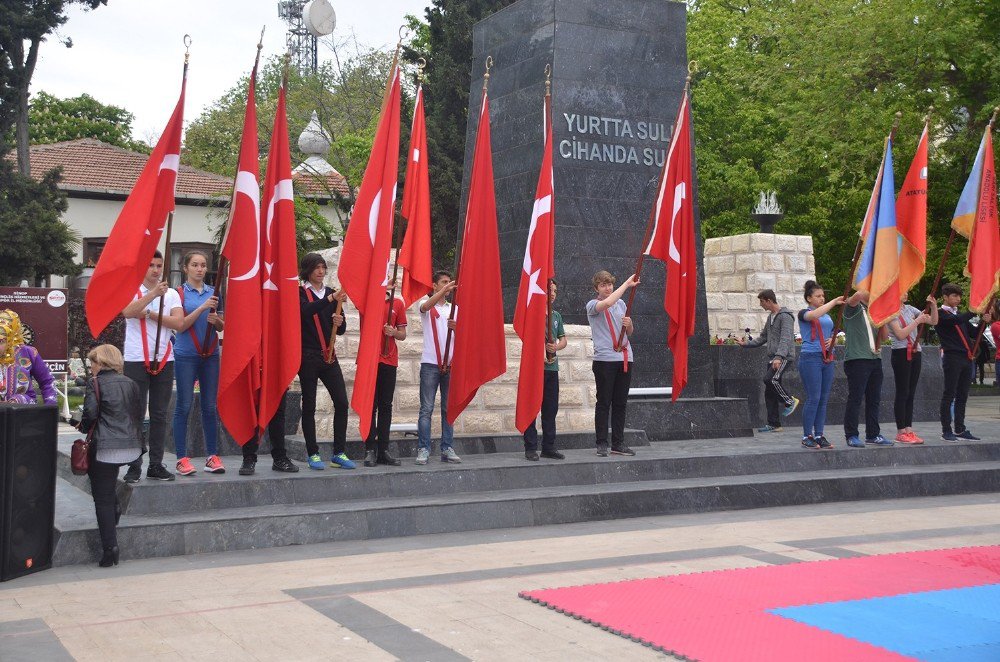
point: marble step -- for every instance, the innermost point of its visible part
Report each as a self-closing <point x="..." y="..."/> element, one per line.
<point x="381" y="516"/>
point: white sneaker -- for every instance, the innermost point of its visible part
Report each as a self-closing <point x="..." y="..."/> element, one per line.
<point x="449" y="455"/>
<point x="422" y="456"/>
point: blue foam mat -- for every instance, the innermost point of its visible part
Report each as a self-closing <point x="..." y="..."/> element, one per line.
<point x="954" y="624"/>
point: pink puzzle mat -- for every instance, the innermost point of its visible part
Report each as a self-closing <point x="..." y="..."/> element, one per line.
<point x="938" y="605"/>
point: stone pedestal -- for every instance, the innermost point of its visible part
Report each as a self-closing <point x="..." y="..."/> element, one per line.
<point x="618" y="70"/>
<point x="738" y="267"/>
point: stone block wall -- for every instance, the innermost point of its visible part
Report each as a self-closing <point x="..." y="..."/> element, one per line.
<point x="738" y="267"/>
<point x="492" y="410"/>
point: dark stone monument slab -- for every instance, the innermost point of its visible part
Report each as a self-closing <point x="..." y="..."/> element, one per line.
<point x="618" y="70"/>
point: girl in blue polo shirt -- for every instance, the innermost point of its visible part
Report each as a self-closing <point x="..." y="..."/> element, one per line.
<point x="196" y="357"/>
<point x="816" y="363"/>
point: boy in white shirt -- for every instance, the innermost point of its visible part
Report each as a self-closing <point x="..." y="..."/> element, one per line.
<point x="435" y="366"/>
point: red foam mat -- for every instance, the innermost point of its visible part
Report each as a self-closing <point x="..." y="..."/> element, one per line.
<point x="722" y="615"/>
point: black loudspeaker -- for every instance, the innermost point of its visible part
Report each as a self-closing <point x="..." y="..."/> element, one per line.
<point x="27" y="488"/>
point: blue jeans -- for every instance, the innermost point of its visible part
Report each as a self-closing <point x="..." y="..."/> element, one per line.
<point x="817" y="377"/>
<point x="430" y="379"/>
<point x="206" y="371"/>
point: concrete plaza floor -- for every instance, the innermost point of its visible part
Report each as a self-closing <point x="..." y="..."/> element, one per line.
<point x="444" y="597"/>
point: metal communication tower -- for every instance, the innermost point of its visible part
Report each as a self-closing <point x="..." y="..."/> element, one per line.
<point x="301" y="44"/>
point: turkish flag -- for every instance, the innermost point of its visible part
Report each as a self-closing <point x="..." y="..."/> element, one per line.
<point x="530" y="313"/>
<point x="911" y="219"/>
<point x="672" y="240"/>
<point x="136" y="234"/>
<point x="364" y="261"/>
<point x="415" y="253"/>
<point x="239" y="371"/>
<point x="281" y="337"/>
<point x="480" y="347"/>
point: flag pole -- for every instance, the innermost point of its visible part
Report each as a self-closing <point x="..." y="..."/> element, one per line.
<point x="982" y="327"/>
<point x="222" y="274"/>
<point x="421" y="64"/>
<point x="155" y="363"/>
<point x="445" y="367"/>
<point x="550" y="357"/>
<point x="861" y="240"/>
<point x="692" y="67"/>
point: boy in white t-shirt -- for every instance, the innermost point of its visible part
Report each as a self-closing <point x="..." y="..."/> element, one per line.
<point x="435" y="366"/>
<point x="151" y="365"/>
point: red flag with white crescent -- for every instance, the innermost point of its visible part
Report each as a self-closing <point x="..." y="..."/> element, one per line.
<point x="480" y="348"/>
<point x="672" y="240"/>
<point x="415" y="253"/>
<point x="281" y="336"/>
<point x="136" y="234"/>
<point x="530" y="312"/>
<point x="365" y="258"/>
<point x="239" y="370"/>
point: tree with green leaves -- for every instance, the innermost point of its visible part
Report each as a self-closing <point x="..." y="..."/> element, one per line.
<point x="798" y="98"/>
<point x="24" y="25"/>
<point x="448" y="40"/>
<point x="34" y="240"/>
<point x="53" y="120"/>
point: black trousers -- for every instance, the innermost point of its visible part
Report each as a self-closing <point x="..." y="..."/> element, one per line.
<point x="275" y="435"/>
<point x="864" y="383"/>
<point x="957" y="382"/>
<point x="103" y="487"/>
<point x="385" y="388"/>
<point x="775" y="394"/>
<point x="550" y="407"/>
<point x="907" y="374"/>
<point x="612" y="397"/>
<point x="314" y="369"/>
<point x="158" y="389"/>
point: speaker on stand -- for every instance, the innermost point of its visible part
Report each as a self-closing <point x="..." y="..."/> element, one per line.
<point x="27" y="488"/>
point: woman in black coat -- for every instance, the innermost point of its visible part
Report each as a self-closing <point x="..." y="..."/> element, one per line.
<point x="113" y="409"/>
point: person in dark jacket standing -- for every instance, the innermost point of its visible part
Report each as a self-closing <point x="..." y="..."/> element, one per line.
<point x="956" y="334"/>
<point x="318" y="308"/>
<point x="113" y="408"/>
<point x="778" y="335"/>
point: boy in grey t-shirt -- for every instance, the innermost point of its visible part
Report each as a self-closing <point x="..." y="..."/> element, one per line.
<point x="606" y="315"/>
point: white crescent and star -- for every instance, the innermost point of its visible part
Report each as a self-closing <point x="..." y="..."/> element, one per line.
<point x="542" y="207"/>
<point x="282" y="191"/>
<point x="246" y="184"/>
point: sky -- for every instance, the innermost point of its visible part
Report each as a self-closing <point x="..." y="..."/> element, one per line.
<point x="130" y="53"/>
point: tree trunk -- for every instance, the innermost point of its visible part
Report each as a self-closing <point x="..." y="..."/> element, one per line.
<point x="21" y="125"/>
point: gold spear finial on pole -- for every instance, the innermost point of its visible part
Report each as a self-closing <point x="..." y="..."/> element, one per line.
<point x="421" y="65"/>
<point x="187" y="48"/>
<point x="927" y="117"/>
<point x="548" y="80"/>
<point x="486" y="76"/>
<point x="996" y="111"/>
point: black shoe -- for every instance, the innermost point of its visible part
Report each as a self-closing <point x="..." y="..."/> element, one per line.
<point x="602" y="450"/>
<point x="110" y="557"/>
<point x="388" y="460"/>
<point x="622" y="450"/>
<point x="248" y="467"/>
<point x="282" y="464"/>
<point x="158" y="472"/>
<point x="966" y="434"/>
<point x="531" y="455"/>
<point x="371" y="458"/>
<point x="133" y="474"/>
<point x="553" y="455"/>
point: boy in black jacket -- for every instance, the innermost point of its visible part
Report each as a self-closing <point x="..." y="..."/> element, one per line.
<point x="957" y="338"/>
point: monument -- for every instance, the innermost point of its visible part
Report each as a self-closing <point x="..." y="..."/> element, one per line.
<point x="618" y="70"/>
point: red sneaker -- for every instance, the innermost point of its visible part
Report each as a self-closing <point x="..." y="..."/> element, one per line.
<point x="184" y="466"/>
<point x="213" y="465"/>
<point x="914" y="439"/>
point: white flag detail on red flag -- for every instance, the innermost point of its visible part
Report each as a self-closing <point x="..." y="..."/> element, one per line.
<point x="530" y="313"/>
<point x="365" y="257"/>
<point x="672" y="240"/>
<point x="239" y="370"/>
<point x="136" y="234"/>
<point x="281" y="335"/>
<point x="415" y="253"/>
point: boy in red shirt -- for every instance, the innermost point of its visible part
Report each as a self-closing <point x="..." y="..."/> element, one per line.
<point x="377" y="443"/>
